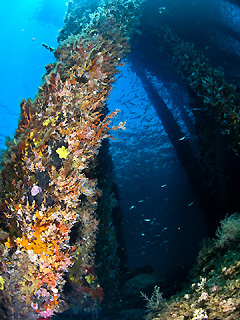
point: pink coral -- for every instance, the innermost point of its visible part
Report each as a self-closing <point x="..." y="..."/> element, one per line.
<point x="46" y="314"/>
<point x="35" y="190"/>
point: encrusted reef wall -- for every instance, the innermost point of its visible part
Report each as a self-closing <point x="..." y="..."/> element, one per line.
<point x="220" y="99"/>
<point x="49" y="190"/>
<point x="215" y="105"/>
<point x="213" y="291"/>
<point x="80" y="14"/>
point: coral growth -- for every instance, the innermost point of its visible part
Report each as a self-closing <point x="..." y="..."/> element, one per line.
<point x="156" y="302"/>
<point x="220" y="99"/>
<point x="81" y="13"/>
<point x="214" y="290"/>
<point x="48" y="179"/>
<point x="229" y="231"/>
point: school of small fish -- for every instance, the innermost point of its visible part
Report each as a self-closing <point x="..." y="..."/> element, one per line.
<point x="143" y="157"/>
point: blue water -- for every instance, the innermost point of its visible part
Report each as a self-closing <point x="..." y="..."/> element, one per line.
<point x="161" y="220"/>
<point x="25" y="25"/>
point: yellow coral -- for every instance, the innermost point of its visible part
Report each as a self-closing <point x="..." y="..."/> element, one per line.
<point x="46" y="122"/>
<point x="62" y="152"/>
<point x="90" y="278"/>
<point x="2" y="281"/>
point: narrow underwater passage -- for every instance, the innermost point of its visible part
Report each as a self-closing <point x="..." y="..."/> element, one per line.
<point x="158" y="206"/>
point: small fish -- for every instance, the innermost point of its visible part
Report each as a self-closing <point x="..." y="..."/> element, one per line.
<point x="143" y="234"/>
<point x="190" y="204"/>
<point x="145" y="110"/>
<point x="143" y="119"/>
<point x="164" y="185"/>
<point x="164" y="229"/>
<point x="133" y="104"/>
<point x="182" y="138"/>
<point x="147" y="220"/>
<point x="132" y="207"/>
<point x="151" y="118"/>
<point x="161" y="9"/>
<point x="140" y="201"/>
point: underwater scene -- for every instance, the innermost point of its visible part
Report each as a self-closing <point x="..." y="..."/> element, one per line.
<point x="120" y="157"/>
